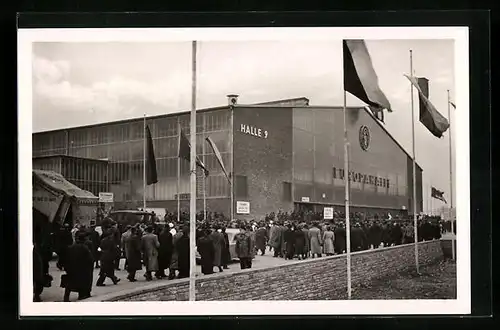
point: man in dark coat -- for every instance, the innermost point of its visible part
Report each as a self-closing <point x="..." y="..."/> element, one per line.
<point x="218" y="242"/>
<point x="206" y="249"/>
<point x="150" y="246"/>
<point x="396" y="234"/>
<point x="244" y="248"/>
<point x="79" y="269"/>
<point x="289" y="238"/>
<point x="109" y="250"/>
<point x="165" y="251"/>
<point x="375" y="233"/>
<point x="117" y="238"/>
<point x="299" y="242"/>
<point x="340" y="239"/>
<point x="95" y="238"/>
<point x="261" y="239"/>
<point x="226" y="253"/>
<point x="63" y="239"/>
<point x="182" y="248"/>
<point x="38" y="275"/>
<point x="356" y="238"/>
<point x="132" y="247"/>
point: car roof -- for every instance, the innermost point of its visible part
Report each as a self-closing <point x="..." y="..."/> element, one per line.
<point x="131" y="212"/>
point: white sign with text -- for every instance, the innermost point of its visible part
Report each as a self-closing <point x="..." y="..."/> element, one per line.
<point x="328" y="213"/>
<point x="242" y="207"/>
<point x="251" y="130"/>
<point x="106" y="197"/>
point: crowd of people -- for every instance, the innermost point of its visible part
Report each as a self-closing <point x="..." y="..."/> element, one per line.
<point x="162" y="247"/>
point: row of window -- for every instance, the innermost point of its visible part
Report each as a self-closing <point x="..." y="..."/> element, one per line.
<point x="208" y="122"/>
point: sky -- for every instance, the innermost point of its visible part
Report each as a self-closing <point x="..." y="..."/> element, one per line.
<point x="82" y="83"/>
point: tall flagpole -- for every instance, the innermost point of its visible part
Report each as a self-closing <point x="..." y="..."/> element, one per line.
<point x="192" y="209"/>
<point x="451" y="182"/>
<point x="178" y="171"/>
<point x="415" y="223"/>
<point x="231" y="209"/>
<point x="204" y="176"/>
<point x="346" y="180"/>
<point x="144" y="169"/>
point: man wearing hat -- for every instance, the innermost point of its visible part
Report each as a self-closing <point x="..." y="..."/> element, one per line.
<point x="150" y="245"/>
<point x="125" y="236"/>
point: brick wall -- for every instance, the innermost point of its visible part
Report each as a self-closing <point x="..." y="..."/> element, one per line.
<point x="312" y="279"/>
<point x="266" y="162"/>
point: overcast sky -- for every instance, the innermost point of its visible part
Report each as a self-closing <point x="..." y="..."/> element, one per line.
<point x="84" y="83"/>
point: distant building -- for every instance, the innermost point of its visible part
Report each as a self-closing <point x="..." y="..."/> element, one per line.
<point x="285" y="155"/>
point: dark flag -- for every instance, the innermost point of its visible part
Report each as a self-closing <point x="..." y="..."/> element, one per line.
<point x="218" y="156"/>
<point x="185" y="152"/>
<point x="453" y="105"/>
<point x="151" y="174"/>
<point x="429" y="116"/>
<point x="437" y="194"/>
<point x="360" y="78"/>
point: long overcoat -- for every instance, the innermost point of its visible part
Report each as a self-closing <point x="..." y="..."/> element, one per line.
<point x="182" y="248"/>
<point x="275" y="237"/>
<point x="132" y="247"/>
<point x="316" y="240"/>
<point x="218" y="243"/>
<point x="109" y="253"/>
<point x="307" y="247"/>
<point x="328" y="239"/>
<point x="166" y="249"/>
<point x="149" y="247"/>
<point x="340" y="240"/>
<point x="299" y="241"/>
<point x="261" y="238"/>
<point x="79" y="268"/>
<point x="206" y="249"/>
<point x="174" y="263"/>
<point x="226" y="253"/>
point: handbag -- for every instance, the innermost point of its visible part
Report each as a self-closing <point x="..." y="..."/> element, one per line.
<point x="64" y="280"/>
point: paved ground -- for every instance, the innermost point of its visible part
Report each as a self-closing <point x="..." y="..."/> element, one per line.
<point x="55" y="293"/>
<point x="438" y="281"/>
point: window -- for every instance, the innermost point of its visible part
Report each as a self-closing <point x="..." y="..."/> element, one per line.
<point x="287" y="191"/>
<point x="241" y="186"/>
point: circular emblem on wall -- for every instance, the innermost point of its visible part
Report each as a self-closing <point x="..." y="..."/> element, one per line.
<point x="364" y="137"/>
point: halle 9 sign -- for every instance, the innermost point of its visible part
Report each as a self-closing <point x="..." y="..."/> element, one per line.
<point x="251" y="130"/>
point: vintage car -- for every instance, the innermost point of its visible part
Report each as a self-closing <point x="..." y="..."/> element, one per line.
<point x="130" y="217"/>
<point x="231" y="234"/>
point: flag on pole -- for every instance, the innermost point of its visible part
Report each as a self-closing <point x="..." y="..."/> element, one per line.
<point x="151" y="173"/>
<point x="453" y="105"/>
<point x="438" y="194"/>
<point x="429" y="116"/>
<point x="360" y="78"/>
<point x="185" y="152"/>
<point x="218" y="156"/>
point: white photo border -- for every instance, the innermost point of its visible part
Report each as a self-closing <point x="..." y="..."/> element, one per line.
<point x="461" y="305"/>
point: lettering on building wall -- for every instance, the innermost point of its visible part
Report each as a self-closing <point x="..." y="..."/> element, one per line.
<point x="338" y="173"/>
<point x="254" y="131"/>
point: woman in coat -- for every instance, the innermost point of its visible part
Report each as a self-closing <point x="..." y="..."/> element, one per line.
<point x="328" y="241"/>
<point x="132" y="246"/>
<point x="109" y="251"/>
<point x="79" y="269"/>
<point x="205" y="246"/>
<point x="218" y="242"/>
<point x="316" y="240"/>
<point x="149" y="247"/>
